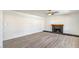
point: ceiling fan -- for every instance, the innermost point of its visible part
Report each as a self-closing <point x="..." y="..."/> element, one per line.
<point x="51" y="12"/>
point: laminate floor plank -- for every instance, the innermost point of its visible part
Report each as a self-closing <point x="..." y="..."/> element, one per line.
<point x="43" y="40"/>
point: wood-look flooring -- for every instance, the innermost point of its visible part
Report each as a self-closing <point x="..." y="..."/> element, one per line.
<point x="43" y="40"/>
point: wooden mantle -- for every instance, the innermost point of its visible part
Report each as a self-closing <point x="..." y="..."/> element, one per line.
<point x="57" y="25"/>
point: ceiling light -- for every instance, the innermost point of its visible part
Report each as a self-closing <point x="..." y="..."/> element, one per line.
<point x="49" y="14"/>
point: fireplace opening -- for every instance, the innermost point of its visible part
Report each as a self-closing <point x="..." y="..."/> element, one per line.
<point x="57" y="28"/>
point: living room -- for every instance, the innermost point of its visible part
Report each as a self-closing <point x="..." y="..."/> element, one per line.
<point x="39" y="29"/>
<point x="20" y="23"/>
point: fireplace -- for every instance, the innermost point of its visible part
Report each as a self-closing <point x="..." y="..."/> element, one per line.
<point x="57" y="28"/>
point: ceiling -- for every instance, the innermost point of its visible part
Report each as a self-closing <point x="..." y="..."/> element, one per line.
<point x="43" y="13"/>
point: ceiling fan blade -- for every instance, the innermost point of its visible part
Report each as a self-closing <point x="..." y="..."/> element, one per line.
<point x="54" y="12"/>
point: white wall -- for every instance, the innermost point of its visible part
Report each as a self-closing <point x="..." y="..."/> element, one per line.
<point x="70" y="21"/>
<point x="19" y="24"/>
<point x="1" y="27"/>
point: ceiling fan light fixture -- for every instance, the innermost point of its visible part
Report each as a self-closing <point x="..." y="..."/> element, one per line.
<point x="49" y="14"/>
